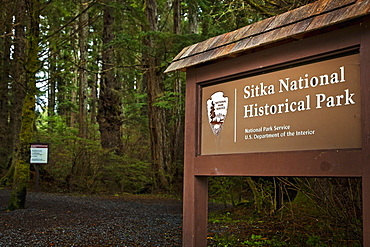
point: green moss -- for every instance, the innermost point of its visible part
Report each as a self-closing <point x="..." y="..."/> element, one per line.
<point x="301" y="199"/>
<point x="19" y="188"/>
<point x="18" y="199"/>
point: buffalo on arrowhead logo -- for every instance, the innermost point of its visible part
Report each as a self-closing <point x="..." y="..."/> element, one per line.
<point x="217" y="111"/>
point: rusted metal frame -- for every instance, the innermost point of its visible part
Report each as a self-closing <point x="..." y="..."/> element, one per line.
<point x="365" y="97"/>
<point x="195" y="201"/>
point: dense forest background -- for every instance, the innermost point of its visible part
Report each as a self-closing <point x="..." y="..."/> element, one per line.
<point x="87" y="78"/>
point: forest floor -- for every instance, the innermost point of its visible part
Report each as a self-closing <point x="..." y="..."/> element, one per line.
<point x="64" y="220"/>
<point x="145" y="220"/>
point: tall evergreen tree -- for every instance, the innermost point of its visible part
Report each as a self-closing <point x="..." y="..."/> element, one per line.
<point x="153" y="80"/>
<point x="15" y="90"/>
<point x="110" y="114"/>
<point x="83" y="41"/>
<point x="32" y="65"/>
<point x="6" y="31"/>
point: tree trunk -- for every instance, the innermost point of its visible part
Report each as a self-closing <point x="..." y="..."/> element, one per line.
<point x="110" y="113"/>
<point x="32" y="65"/>
<point x="157" y="116"/>
<point x="94" y="89"/>
<point x="5" y="74"/>
<point x="256" y="195"/>
<point x="177" y="130"/>
<point x="17" y="87"/>
<point x="193" y="17"/>
<point x="52" y="83"/>
<point x="54" y="74"/>
<point x="73" y="87"/>
<point x="83" y="85"/>
<point x="176" y="16"/>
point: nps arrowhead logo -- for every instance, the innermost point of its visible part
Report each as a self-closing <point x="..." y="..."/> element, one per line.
<point x="217" y="111"/>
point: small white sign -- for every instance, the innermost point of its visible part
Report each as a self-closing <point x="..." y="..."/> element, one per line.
<point x="39" y="153"/>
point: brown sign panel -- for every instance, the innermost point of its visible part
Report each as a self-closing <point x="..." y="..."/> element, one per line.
<point x="309" y="107"/>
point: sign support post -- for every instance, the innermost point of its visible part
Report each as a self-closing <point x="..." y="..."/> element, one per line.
<point x="37" y="170"/>
<point x="195" y="210"/>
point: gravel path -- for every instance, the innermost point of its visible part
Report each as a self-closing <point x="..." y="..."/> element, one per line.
<point x="60" y="220"/>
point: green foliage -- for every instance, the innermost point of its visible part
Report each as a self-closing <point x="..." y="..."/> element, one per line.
<point x="223" y="218"/>
<point x="78" y="164"/>
<point x="324" y="212"/>
<point x="227" y="190"/>
<point x="81" y="164"/>
<point x="314" y="241"/>
<point x="236" y="190"/>
<point x="258" y="240"/>
<point x="168" y="100"/>
<point x="128" y="175"/>
<point x="338" y="199"/>
<point x="252" y="240"/>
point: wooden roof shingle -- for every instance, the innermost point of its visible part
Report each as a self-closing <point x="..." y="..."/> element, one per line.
<point x="292" y="24"/>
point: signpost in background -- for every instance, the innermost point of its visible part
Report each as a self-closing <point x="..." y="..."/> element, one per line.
<point x="39" y="156"/>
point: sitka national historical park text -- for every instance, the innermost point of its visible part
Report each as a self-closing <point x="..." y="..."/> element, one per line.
<point x="317" y="101"/>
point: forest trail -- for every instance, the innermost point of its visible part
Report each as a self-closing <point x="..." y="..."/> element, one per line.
<point x="64" y="220"/>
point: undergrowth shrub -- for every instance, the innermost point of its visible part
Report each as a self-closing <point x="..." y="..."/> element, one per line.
<point x="82" y="165"/>
<point x="314" y="211"/>
<point x="339" y="200"/>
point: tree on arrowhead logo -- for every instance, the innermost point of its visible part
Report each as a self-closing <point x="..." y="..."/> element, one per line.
<point x="217" y="111"/>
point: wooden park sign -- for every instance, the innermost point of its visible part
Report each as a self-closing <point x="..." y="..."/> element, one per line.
<point x="287" y="96"/>
<point x="314" y="106"/>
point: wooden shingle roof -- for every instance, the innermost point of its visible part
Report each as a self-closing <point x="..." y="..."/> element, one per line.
<point x="293" y="24"/>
